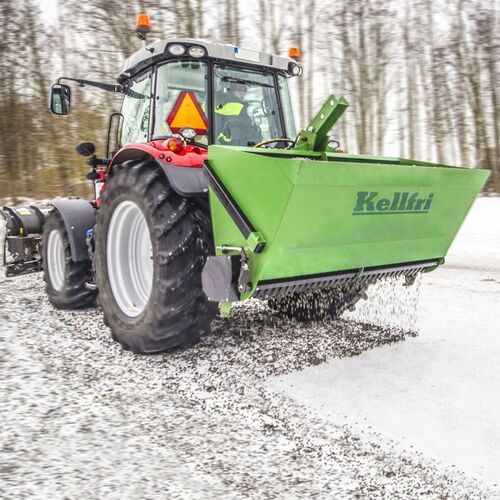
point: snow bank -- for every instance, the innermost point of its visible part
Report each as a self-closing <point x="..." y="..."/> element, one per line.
<point x="477" y="245"/>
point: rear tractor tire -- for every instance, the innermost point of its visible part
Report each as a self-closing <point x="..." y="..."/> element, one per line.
<point x="318" y="304"/>
<point x="151" y="245"/>
<point x="65" y="279"/>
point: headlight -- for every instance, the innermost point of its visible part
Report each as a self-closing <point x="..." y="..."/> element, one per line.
<point x="187" y="133"/>
<point x="176" y="49"/>
<point x="296" y="70"/>
<point x="196" y="51"/>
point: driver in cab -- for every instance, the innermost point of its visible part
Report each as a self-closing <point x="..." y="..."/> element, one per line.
<point x="234" y="125"/>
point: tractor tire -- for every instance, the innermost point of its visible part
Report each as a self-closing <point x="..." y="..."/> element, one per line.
<point x="65" y="279"/>
<point x="151" y="245"/>
<point x="318" y="304"/>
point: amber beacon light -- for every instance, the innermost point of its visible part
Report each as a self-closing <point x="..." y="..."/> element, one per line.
<point x="294" y="53"/>
<point x="143" y="25"/>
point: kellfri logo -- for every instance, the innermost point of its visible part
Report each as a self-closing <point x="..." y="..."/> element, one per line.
<point x="369" y="203"/>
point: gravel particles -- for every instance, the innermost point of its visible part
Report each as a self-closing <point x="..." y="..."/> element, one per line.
<point x="81" y="418"/>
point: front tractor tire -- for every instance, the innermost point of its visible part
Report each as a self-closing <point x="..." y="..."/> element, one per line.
<point x="65" y="280"/>
<point x="151" y="245"/>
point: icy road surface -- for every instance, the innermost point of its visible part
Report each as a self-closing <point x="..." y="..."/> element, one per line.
<point x="260" y="408"/>
<point x="440" y="391"/>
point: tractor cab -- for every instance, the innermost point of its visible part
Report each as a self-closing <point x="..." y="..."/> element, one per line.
<point x="202" y="92"/>
<point x="207" y="93"/>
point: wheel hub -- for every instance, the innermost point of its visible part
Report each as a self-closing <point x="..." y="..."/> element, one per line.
<point x="56" y="259"/>
<point x="130" y="258"/>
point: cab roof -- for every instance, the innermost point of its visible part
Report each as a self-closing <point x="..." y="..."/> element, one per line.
<point x="158" y="51"/>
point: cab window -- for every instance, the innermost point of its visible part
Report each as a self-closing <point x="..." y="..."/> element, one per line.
<point x="286" y="104"/>
<point x="135" y="110"/>
<point x="173" y="79"/>
<point x="245" y="107"/>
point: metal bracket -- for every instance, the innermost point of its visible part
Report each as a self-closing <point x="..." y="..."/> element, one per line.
<point x="225" y="278"/>
<point x="255" y="241"/>
<point x="243" y="284"/>
<point x="315" y="136"/>
<point x="23" y="254"/>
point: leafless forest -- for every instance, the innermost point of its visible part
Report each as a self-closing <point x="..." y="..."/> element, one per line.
<point x="421" y="76"/>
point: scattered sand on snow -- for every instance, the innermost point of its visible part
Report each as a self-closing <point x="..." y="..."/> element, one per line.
<point x="81" y="418"/>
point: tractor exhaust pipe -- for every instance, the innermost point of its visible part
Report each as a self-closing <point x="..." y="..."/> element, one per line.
<point x="20" y="239"/>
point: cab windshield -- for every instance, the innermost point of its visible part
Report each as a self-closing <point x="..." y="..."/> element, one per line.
<point x="172" y="109"/>
<point x="246" y="107"/>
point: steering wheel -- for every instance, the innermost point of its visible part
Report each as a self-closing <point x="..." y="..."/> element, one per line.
<point x="275" y="141"/>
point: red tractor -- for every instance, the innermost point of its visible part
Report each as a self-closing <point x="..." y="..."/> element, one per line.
<point x="144" y="239"/>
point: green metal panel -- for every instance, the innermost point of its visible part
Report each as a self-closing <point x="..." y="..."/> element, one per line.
<point x="321" y="213"/>
<point x="315" y="137"/>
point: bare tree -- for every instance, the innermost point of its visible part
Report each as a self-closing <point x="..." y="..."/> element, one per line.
<point x="421" y="75"/>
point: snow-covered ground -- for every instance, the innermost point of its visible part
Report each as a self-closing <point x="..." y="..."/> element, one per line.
<point x="261" y="408"/>
<point x="439" y="392"/>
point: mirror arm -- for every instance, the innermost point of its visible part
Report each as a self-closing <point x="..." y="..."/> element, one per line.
<point x="100" y="85"/>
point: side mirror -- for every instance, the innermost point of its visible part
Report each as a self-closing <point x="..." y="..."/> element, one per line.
<point x="60" y="99"/>
<point x="86" y="148"/>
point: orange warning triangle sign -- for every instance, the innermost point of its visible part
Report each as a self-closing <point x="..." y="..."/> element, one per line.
<point x="187" y="112"/>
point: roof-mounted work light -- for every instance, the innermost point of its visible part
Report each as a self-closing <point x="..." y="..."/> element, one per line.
<point x="294" y="69"/>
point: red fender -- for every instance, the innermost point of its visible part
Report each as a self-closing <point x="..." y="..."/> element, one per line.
<point x="184" y="170"/>
<point x="191" y="156"/>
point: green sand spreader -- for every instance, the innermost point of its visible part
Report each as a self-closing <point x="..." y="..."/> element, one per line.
<point x="307" y="225"/>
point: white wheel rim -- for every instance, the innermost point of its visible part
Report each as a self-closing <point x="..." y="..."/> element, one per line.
<point x="56" y="258"/>
<point x="129" y="258"/>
